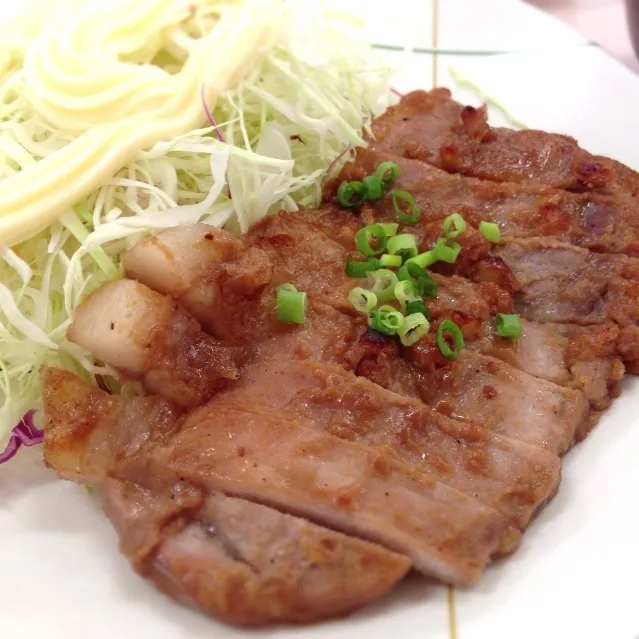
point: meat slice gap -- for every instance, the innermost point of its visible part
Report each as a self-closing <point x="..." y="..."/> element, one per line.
<point x="282" y="569"/>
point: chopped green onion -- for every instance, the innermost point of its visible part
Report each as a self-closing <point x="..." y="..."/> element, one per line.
<point x="383" y="284"/>
<point x="291" y="304"/>
<point x="364" y="301"/>
<point x="508" y="325"/>
<point x="490" y="231"/>
<point x="403" y="275"/>
<point x="423" y="259"/>
<point x="390" y="228"/>
<point x="361" y="269"/>
<point x="446" y="250"/>
<point x="405" y="243"/>
<point x="416" y="271"/>
<point x="449" y="327"/>
<point x="386" y="320"/>
<point x="387" y="173"/>
<point x="453" y="226"/>
<point x="405" y="292"/>
<point x="391" y="260"/>
<point x="373" y="188"/>
<point x="418" y="306"/>
<point x="412" y="214"/>
<point x="414" y="328"/>
<point x="424" y="285"/>
<point x="364" y="237"/>
<point x="350" y="194"/>
<point x="427" y="287"/>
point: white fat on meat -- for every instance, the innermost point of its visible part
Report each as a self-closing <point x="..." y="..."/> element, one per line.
<point x="147" y="336"/>
<point x="204" y="268"/>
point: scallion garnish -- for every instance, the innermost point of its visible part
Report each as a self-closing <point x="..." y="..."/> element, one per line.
<point x="449" y="328"/>
<point x="415" y="326"/>
<point x="361" y="269"/>
<point x="390" y="228"/>
<point x="350" y="194"/>
<point x="423" y="259"/>
<point x="386" y="320"/>
<point x="291" y="304"/>
<point x="373" y="189"/>
<point x="405" y="207"/>
<point x="405" y="292"/>
<point x="508" y="325"/>
<point x="446" y="250"/>
<point x="404" y="245"/>
<point x="453" y="226"/>
<point x="383" y="284"/>
<point x="418" y="306"/>
<point x="392" y="261"/>
<point x="364" y="237"/>
<point x="424" y="285"/>
<point x="490" y="231"/>
<point x="362" y="300"/>
<point x="387" y="173"/>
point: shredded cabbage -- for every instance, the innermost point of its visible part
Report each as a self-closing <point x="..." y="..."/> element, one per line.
<point x="307" y="100"/>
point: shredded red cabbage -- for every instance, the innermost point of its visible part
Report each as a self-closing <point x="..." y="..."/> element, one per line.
<point x="397" y="93"/>
<point x="25" y="433"/>
<point x="333" y="163"/>
<point x="216" y="126"/>
<point x="209" y="115"/>
<point x="99" y="380"/>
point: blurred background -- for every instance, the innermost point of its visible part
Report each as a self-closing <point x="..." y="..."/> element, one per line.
<point x="603" y="21"/>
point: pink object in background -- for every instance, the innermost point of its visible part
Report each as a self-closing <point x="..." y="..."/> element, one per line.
<point x="603" y="21"/>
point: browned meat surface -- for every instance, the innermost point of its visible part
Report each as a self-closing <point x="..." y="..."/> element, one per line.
<point x="295" y="249"/>
<point x="279" y="472"/>
<point x="597" y="221"/>
<point x="253" y="452"/>
<point x="562" y="283"/>
<point x="432" y="127"/>
<point x="240" y="561"/>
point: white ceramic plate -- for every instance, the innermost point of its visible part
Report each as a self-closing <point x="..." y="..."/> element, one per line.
<point x="62" y="577"/>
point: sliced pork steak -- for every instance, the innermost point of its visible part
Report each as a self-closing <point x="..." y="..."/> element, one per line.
<point x="430" y="126"/>
<point x="242" y="562"/>
<point x="597" y="221"/>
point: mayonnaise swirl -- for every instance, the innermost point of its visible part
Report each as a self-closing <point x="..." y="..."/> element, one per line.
<point x="78" y="79"/>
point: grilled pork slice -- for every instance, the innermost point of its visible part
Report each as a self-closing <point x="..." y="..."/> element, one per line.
<point x="252" y="452"/>
<point x="432" y="127"/>
<point x="514" y="477"/>
<point x="239" y="561"/>
<point x="594" y="220"/>
<point x="327" y="337"/>
<point x="586" y="358"/>
<point x="291" y="243"/>
<point x="565" y="284"/>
